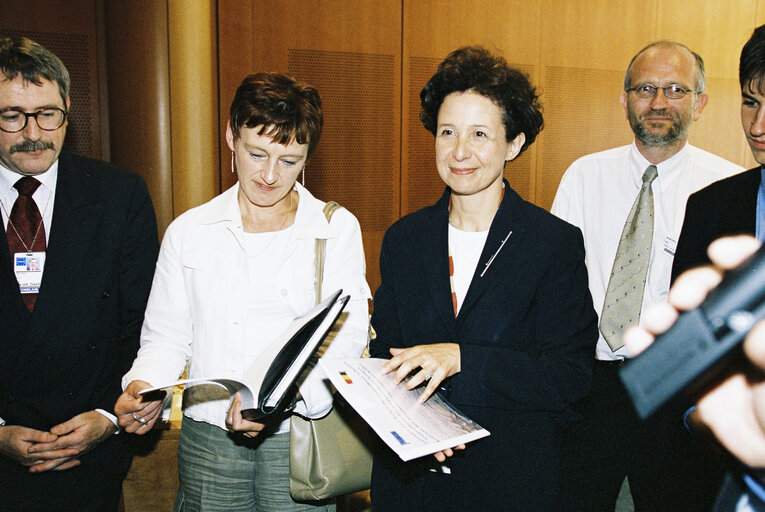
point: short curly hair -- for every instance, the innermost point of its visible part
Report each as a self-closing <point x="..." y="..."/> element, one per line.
<point x="474" y="68"/>
<point x="288" y="109"/>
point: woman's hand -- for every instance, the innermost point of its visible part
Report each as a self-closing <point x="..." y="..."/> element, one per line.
<point x="135" y="414"/>
<point x="444" y="454"/>
<point x="436" y="362"/>
<point x="236" y="423"/>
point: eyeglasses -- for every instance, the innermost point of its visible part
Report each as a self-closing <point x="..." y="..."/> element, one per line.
<point x="14" y="120"/>
<point x="672" y="91"/>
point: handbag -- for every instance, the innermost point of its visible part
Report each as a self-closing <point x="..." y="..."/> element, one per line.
<point x="329" y="456"/>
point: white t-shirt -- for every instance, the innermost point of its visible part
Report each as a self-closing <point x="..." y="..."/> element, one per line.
<point x="465" y="248"/>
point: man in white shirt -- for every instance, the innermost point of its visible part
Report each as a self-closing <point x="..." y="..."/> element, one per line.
<point x="663" y="95"/>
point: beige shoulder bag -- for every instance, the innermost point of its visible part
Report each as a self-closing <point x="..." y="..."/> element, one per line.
<point x="330" y="456"/>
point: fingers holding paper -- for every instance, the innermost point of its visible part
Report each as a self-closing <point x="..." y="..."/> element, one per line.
<point x="432" y="363"/>
<point x="449" y="452"/>
<point x="236" y="423"/>
<point x="137" y="413"/>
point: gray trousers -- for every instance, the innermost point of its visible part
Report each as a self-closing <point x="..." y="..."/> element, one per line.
<point x="220" y="471"/>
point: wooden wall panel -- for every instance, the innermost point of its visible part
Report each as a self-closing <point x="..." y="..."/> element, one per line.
<point x="350" y="50"/>
<point x="433" y="28"/>
<point x="421" y="186"/>
<point x="235" y="56"/>
<point x="585" y="48"/>
<point x="583" y="115"/>
<point x="759" y="17"/>
<point x="352" y="160"/>
<point x="595" y="34"/>
<point x="719" y="128"/>
<point x="714" y="30"/>
<point x="139" y="96"/>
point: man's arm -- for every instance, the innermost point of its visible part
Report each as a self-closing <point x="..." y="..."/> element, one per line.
<point x="138" y="254"/>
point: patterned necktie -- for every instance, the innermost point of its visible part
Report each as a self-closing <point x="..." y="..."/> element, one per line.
<point x="624" y="295"/>
<point x="25" y="232"/>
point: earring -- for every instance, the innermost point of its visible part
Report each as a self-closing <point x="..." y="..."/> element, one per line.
<point x="304" y="176"/>
<point x="232" y="163"/>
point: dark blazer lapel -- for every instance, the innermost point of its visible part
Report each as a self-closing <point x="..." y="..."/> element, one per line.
<point x="13" y="312"/>
<point x="12" y="304"/>
<point x="434" y="253"/>
<point x="75" y="218"/>
<point x="505" y="221"/>
<point x="747" y="203"/>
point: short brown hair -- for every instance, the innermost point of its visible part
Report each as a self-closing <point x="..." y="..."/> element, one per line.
<point x="751" y="69"/>
<point x="22" y="56"/>
<point x="283" y="107"/>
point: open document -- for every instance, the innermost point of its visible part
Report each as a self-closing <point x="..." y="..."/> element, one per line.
<point x="410" y="429"/>
<point x="268" y="386"/>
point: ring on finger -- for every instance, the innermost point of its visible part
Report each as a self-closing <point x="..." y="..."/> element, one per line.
<point x="428" y="375"/>
<point x="142" y="421"/>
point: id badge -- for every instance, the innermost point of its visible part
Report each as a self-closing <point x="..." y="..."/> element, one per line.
<point x="28" y="267"/>
<point x="670" y="244"/>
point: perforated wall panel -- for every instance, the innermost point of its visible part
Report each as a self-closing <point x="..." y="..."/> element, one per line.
<point x="424" y="186"/>
<point x="582" y="115"/>
<point x="356" y="163"/>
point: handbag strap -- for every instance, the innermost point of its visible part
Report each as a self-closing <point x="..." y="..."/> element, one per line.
<point x="321" y="248"/>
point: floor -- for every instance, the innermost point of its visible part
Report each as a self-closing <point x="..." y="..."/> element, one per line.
<point x="359" y="502"/>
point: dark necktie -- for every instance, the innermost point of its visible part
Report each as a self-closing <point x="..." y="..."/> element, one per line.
<point x="624" y="295"/>
<point x="25" y="232"/>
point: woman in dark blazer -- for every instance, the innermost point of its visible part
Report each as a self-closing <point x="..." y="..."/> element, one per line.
<point x="485" y="296"/>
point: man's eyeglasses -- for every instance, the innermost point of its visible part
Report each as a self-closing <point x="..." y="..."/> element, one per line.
<point x="672" y="91"/>
<point x="14" y="120"/>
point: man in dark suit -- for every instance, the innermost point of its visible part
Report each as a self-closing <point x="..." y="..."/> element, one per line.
<point x="81" y="244"/>
<point x="735" y="205"/>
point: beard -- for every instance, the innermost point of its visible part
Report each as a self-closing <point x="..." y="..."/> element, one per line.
<point x="652" y="136"/>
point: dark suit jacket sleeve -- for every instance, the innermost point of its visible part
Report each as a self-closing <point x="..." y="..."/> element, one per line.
<point x="140" y="246"/>
<point x="556" y="368"/>
<point x="694" y="237"/>
<point x="384" y="316"/>
<point x="726" y="207"/>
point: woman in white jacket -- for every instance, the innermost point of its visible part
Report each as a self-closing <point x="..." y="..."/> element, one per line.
<point x="231" y="276"/>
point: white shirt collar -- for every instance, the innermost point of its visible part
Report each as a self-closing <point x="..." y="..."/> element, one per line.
<point x="310" y="221"/>
<point x="48" y="179"/>
<point x="667" y="170"/>
<point x="43" y="196"/>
